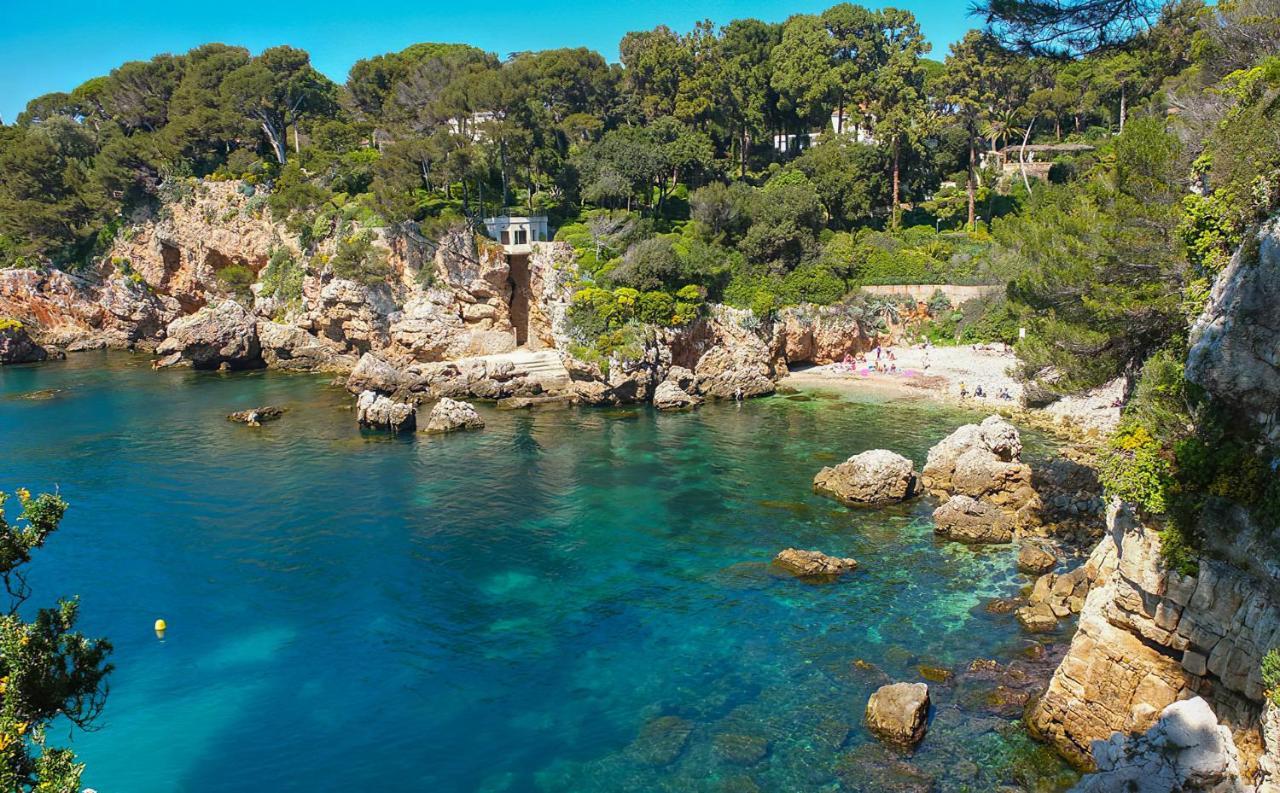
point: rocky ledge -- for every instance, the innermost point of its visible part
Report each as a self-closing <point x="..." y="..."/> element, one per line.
<point x="450" y="415"/>
<point x="17" y="346"/>
<point x="379" y="412"/>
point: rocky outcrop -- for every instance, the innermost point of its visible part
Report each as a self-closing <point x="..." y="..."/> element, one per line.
<point x="1149" y="636"/>
<point x="215" y="337"/>
<point x="983" y="461"/>
<point x="813" y="564"/>
<point x="969" y="520"/>
<point x="820" y="334"/>
<point x="873" y="477"/>
<point x="292" y="348"/>
<point x="16" y="345"/>
<point x="450" y="415"/>
<point x="669" y="396"/>
<point x="1234" y="353"/>
<point x="380" y="412"/>
<point x="898" y="713"/>
<point x="255" y="417"/>
<point x="1186" y="750"/>
<point x="735" y="373"/>
<point x="1035" y="559"/>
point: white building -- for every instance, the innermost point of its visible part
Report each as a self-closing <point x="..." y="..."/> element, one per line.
<point x="517" y="233"/>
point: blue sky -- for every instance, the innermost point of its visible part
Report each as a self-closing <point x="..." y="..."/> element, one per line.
<point x="55" y="45"/>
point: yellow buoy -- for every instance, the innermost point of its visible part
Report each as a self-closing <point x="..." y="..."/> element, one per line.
<point x="161" y="627"/>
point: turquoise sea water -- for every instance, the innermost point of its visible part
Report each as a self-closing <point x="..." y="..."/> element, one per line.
<point x="568" y="600"/>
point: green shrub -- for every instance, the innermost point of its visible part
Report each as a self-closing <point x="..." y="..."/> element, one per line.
<point x="282" y="279"/>
<point x="1271" y="675"/>
<point x="1136" y="469"/>
<point x="358" y="259"/>
<point x="236" y="279"/>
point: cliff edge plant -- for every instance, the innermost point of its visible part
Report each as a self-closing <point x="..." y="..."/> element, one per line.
<point x="47" y="669"/>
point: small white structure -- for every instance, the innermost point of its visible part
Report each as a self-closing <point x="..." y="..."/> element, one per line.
<point x="517" y="233"/>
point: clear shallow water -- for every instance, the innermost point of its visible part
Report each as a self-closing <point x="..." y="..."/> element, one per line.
<point x="569" y="600"/>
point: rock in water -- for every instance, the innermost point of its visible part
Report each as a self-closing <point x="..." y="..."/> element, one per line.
<point x="1035" y="559"/>
<point x="812" y="564"/>
<point x="213" y="337"/>
<point x="983" y="461"/>
<point x="1187" y="750"/>
<point x="254" y="417"/>
<point x="897" y="713"/>
<point x="450" y="415"/>
<point x="874" y="477"/>
<point x="969" y="520"/>
<point x="16" y="345"/>
<point x="670" y="396"/>
<point x="375" y="410"/>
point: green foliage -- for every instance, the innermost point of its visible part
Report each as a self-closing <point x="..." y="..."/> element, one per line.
<point x="8" y="323"/>
<point x="358" y="259"/>
<point x="48" y="671"/>
<point x="1271" y="675"/>
<point x="236" y="279"/>
<point x="282" y="278"/>
<point x="1136" y="469"/>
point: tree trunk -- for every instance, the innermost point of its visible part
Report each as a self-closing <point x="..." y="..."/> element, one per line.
<point x="296" y="148"/>
<point x="276" y="140"/>
<point x="897" y="165"/>
<point x="1124" y="108"/>
<point x="1022" y="156"/>
<point x="973" y="193"/>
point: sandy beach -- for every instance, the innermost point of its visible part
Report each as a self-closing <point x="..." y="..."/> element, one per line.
<point x="941" y="370"/>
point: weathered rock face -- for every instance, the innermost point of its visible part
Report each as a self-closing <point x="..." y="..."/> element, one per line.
<point x="16" y="345"/>
<point x="735" y="373"/>
<point x="225" y="335"/>
<point x="450" y="415"/>
<point x="897" y="713"/>
<point x="969" y="520"/>
<point x="1186" y="750"/>
<point x="983" y="461"/>
<point x="1235" y="344"/>
<point x="873" y="477"/>
<point x="292" y="348"/>
<point x="1149" y="636"/>
<point x="669" y="396"/>
<point x="820" y="335"/>
<point x="813" y="564"/>
<point x="380" y="412"/>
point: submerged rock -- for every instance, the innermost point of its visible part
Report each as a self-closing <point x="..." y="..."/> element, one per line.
<point x="17" y="346"/>
<point x="661" y="740"/>
<point x="380" y="412"/>
<point x="810" y="564"/>
<point x="450" y="415"/>
<point x="897" y="713"/>
<point x="255" y="417"/>
<point x="968" y="520"/>
<point x="1187" y="751"/>
<point x="669" y="396"/>
<point x="874" y="477"/>
<point x="221" y="336"/>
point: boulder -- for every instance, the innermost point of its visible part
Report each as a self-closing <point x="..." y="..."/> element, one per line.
<point x="682" y="378"/>
<point x="809" y="564"/>
<point x="292" y="348"/>
<point x="1035" y="559"/>
<point x="381" y="412"/>
<point x="255" y="417"/>
<point x="669" y="396"/>
<point x="450" y="415"/>
<point x="17" y="346"/>
<point x="1186" y="751"/>
<point x="968" y="520"/>
<point x="739" y="372"/>
<point x="983" y="461"/>
<point x="215" y="337"/>
<point x="873" y="477"/>
<point x="897" y="713"/>
<point x="371" y="373"/>
<point x="1036" y="619"/>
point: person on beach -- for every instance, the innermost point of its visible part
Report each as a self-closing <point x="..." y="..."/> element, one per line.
<point x="979" y="393"/>
<point x="964" y="391"/>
